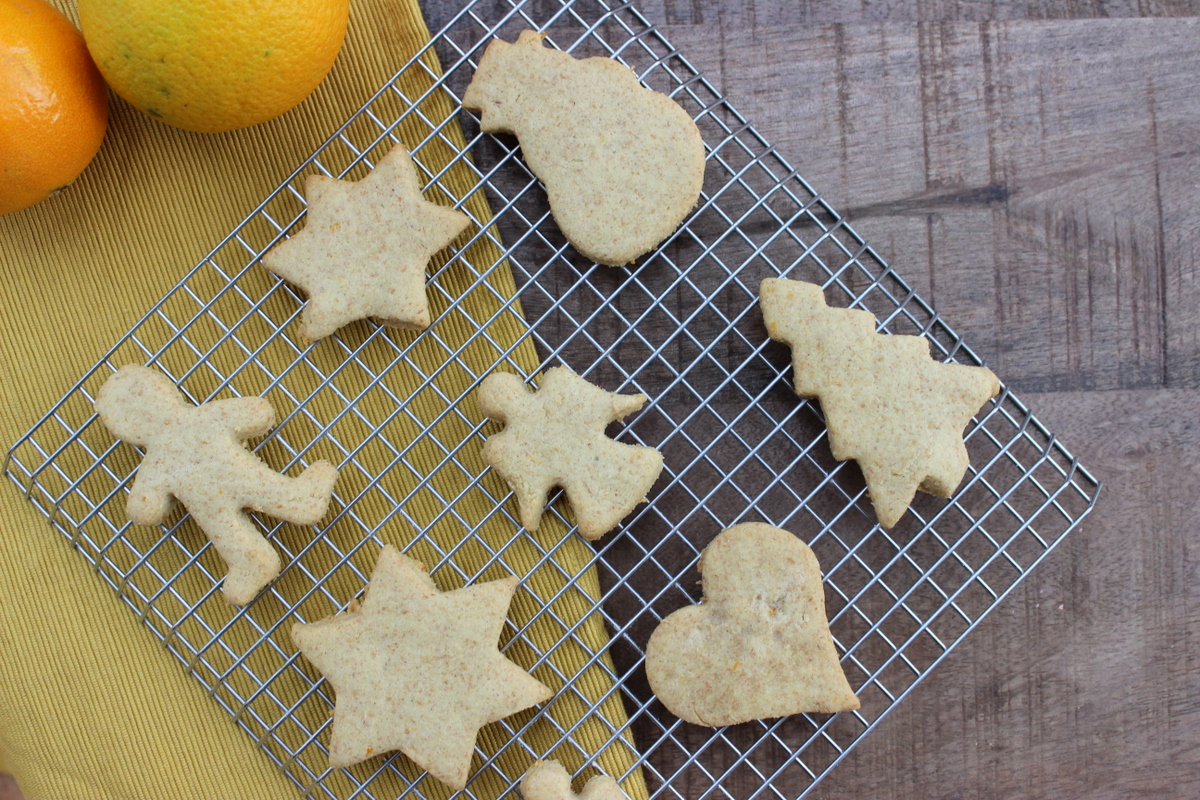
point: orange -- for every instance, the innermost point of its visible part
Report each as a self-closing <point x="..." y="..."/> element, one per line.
<point x="214" y="65"/>
<point x="53" y="101"/>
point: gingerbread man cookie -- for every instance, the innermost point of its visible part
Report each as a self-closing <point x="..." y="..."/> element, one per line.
<point x="197" y="455"/>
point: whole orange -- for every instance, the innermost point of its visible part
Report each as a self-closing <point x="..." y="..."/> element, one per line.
<point x="53" y="101"/>
<point x="214" y="65"/>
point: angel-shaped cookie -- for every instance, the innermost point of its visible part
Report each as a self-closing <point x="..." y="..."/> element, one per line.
<point x="196" y="454"/>
<point x="555" y="437"/>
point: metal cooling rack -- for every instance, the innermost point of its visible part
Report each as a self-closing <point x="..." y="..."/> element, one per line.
<point x="683" y="327"/>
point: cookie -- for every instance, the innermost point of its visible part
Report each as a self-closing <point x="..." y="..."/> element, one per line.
<point x="549" y="780"/>
<point x="758" y="645"/>
<point x="418" y="670"/>
<point x="622" y="164"/>
<point x="555" y="437"/>
<point x="364" y="248"/>
<point x="197" y="455"/>
<point x="887" y="403"/>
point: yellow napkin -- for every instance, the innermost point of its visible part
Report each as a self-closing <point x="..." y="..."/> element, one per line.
<point x="91" y="705"/>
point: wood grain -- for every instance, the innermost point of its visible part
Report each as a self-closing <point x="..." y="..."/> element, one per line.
<point x="1034" y="180"/>
<point x="734" y="15"/>
<point x="1083" y="684"/>
<point x="1038" y="181"/>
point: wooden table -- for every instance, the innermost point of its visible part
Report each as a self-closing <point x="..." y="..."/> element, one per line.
<point x="1033" y="169"/>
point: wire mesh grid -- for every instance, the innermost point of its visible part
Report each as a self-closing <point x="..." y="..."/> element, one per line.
<point x="683" y="327"/>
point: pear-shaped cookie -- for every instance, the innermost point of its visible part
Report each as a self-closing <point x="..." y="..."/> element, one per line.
<point x="758" y="646"/>
<point x="622" y="164"/>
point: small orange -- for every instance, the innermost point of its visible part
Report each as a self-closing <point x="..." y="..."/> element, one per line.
<point x="214" y="65"/>
<point x="55" y="106"/>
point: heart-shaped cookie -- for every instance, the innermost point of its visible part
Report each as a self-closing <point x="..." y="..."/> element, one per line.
<point x="758" y="645"/>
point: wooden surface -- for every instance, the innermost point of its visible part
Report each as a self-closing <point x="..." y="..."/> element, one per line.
<point x="1038" y="180"/>
<point x="1033" y="168"/>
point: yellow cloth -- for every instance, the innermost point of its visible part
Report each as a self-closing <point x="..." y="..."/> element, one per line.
<point x="91" y="705"/>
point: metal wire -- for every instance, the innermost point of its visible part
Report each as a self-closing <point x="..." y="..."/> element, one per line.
<point x="683" y="327"/>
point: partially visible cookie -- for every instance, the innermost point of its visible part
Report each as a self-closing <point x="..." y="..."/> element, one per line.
<point x="197" y="455"/>
<point x="622" y="164"/>
<point x="758" y="645"/>
<point x="549" y="780"/>
<point x="888" y="404"/>
<point x="418" y="670"/>
<point x="364" y="248"/>
<point x="555" y="437"/>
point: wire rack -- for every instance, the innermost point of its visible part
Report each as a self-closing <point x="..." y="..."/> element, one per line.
<point x="682" y="327"/>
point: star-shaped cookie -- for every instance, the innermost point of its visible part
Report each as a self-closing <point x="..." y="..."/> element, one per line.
<point x="418" y="670"/>
<point x="364" y="248"/>
<point x="888" y="404"/>
<point x="555" y="437"/>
